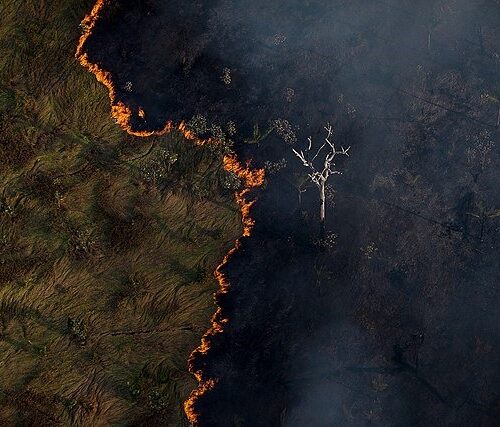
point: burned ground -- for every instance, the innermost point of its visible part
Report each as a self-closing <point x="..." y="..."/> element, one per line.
<point x="397" y="322"/>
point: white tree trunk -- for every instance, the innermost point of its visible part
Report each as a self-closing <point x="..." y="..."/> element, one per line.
<point x="322" y="202"/>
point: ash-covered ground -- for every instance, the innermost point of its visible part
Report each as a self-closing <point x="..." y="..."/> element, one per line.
<point x="393" y="320"/>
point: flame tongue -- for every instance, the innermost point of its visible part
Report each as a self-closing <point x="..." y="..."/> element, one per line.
<point x="251" y="178"/>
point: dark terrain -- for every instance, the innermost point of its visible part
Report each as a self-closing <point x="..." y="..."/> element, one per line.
<point x="396" y="323"/>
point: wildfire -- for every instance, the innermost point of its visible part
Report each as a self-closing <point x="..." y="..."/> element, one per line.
<point x="251" y="178"/>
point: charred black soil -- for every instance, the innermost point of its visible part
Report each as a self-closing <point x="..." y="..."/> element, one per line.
<point x="393" y="318"/>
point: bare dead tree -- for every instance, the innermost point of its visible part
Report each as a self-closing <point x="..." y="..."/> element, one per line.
<point x="321" y="166"/>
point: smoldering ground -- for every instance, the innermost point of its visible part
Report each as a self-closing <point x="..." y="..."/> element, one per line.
<point x="413" y="87"/>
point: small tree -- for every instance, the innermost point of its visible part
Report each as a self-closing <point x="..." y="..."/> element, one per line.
<point x="321" y="167"/>
<point x="300" y="183"/>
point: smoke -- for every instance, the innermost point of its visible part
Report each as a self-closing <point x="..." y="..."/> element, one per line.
<point x="398" y="323"/>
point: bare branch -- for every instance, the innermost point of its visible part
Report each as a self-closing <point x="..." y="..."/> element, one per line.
<point x="319" y="176"/>
<point x="319" y="150"/>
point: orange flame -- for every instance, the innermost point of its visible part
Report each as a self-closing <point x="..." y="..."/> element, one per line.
<point x="251" y="178"/>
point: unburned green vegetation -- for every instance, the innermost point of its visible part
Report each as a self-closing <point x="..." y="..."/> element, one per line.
<point x="107" y="242"/>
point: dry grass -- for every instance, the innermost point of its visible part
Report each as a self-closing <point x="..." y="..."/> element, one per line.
<point x="105" y="277"/>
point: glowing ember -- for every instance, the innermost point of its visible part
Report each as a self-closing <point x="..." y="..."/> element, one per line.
<point x="251" y="178"/>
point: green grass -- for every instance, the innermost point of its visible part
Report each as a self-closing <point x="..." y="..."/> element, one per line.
<point x="105" y="275"/>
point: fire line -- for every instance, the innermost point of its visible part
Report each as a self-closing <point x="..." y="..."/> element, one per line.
<point x="251" y="178"/>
